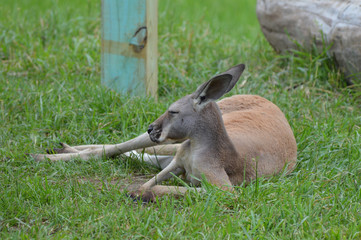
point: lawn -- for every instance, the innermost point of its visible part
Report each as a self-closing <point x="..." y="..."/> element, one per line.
<point x="50" y="91"/>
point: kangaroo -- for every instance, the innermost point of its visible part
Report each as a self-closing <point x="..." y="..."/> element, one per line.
<point x="228" y="142"/>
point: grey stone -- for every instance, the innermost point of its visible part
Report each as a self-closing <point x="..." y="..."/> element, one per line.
<point x="336" y="22"/>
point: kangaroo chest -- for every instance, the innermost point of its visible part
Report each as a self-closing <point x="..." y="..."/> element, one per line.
<point x="193" y="164"/>
<point x="192" y="172"/>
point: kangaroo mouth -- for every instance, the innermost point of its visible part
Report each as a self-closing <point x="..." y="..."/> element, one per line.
<point x="155" y="135"/>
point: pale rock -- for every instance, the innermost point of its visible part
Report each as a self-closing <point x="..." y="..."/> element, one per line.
<point x="336" y="22"/>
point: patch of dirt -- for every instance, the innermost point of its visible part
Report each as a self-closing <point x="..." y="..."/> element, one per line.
<point x="129" y="183"/>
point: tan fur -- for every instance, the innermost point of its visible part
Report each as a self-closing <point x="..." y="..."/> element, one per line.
<point x="228" y="142"/>
<point x="259" y="129"/>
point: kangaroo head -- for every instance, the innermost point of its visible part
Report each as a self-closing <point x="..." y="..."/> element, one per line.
<point x="187" y="115"/>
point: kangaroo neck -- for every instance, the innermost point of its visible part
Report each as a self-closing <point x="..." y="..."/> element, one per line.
<point x="210" y="131"/>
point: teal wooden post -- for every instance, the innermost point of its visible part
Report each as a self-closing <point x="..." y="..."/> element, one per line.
<point x="129" y="46"/>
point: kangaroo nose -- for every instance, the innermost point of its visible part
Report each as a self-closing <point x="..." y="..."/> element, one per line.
<point x="150" y="129"/>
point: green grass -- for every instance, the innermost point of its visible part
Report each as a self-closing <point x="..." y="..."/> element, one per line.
<point x="50" y="91"/>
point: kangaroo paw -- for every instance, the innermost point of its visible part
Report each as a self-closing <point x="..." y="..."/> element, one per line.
<point x="145" y="197"/>
<point x="65" y="149"/>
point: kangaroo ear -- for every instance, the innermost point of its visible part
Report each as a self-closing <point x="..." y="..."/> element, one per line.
<point x="217" y="86"/>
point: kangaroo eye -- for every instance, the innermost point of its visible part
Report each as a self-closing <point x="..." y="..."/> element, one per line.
<point x="173" y="112"/>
